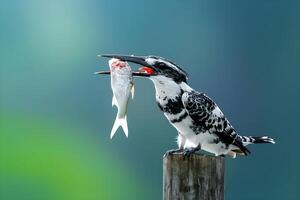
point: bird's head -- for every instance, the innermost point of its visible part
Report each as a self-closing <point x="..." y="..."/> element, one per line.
<point x="154" y="67"/>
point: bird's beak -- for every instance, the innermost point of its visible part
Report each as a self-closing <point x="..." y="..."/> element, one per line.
<point x="141" y="74"/>
<point x="102" y="72"/>
<point x="145" y="71"/>
<point x="141" y="60"/>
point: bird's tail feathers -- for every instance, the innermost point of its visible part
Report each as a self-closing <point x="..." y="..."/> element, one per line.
<point x="257" y="140"/>
<point x="263" y="139"/>
<point x="119" y="122"/>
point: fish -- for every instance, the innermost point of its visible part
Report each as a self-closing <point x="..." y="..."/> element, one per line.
<point x="122" y="87"/>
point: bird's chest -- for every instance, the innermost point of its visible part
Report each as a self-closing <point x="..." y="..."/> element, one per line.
<point x="169" y="100"/>
<point x="179" y="118"/>
<point x="170" y="104"/>
<point x="194" y="134"/>
<point x="176" y="114"/>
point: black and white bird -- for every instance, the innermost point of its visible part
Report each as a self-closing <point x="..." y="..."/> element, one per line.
<point x="200" y="123"/>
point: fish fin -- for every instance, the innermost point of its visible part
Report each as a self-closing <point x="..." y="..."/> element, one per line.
<point x="119" y="122"/>
<point x="114" y="101"/>
<point x="132" y="91"/>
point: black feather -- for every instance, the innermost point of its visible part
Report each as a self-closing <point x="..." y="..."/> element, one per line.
<point x="200" y="108"/>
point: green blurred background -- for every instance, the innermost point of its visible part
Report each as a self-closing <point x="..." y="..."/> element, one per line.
<point x="56" y="116"/>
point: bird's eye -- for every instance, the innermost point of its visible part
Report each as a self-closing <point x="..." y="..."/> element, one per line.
<point x="161" y="64"/>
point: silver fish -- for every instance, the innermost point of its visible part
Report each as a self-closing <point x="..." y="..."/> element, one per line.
<point x="122" y="86"/>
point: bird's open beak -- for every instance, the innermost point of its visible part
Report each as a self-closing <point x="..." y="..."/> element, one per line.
<point x="145" y="71"/>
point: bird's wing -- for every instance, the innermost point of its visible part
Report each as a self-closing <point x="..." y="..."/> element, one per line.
<point x="208" y="117"/>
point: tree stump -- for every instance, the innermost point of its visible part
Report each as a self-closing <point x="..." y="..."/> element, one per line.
<point x="198" y="177"/>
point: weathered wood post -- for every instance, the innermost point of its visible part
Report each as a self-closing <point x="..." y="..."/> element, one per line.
<point x="198" y="177"/>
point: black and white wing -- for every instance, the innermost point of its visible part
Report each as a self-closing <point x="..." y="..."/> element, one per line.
<point x="207" y="116"/>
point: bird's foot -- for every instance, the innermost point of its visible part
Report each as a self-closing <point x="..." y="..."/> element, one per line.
<point x="189" y="151"/>
<point x="172" y="151"/>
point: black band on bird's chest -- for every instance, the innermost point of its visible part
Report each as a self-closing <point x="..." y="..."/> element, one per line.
<point x="172" y="106"/>
<point x="180" y="118"/>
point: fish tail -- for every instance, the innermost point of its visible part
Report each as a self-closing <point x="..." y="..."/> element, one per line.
<point x="119" y="122"/>
<point x="114" y="101"/>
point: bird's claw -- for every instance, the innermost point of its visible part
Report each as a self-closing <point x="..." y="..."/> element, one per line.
<point x="189" y="151"/>
<point x="186" y="152"/>
<point x="172" y="151"/>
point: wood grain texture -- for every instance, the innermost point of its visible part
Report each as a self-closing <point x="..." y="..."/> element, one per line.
<point x="198" y="177"/>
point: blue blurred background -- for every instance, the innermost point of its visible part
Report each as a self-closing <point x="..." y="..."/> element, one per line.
<point x="56" y="116"/>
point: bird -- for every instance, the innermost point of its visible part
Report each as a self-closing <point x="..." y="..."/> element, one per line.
<point x="200" y="123"/>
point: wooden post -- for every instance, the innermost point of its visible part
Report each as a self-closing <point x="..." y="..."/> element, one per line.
<point x="198" y="177"/>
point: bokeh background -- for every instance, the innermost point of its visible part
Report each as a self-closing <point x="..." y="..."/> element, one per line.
<point x="56" y="116"/>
